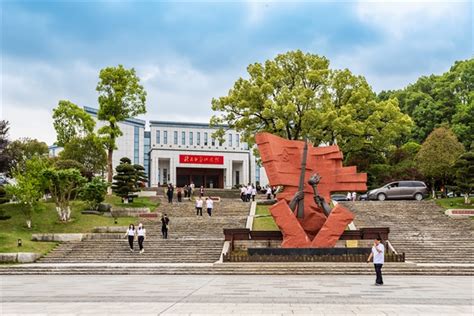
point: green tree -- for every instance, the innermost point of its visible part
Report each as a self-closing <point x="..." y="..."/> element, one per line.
<point x="88" y="151"/>
<point x="70" y="122"/>
<point x="465" y="175"/>
<point x="19" y="151"/>
<point x="29" y="185"/>
<point x="140" y="176"/>
<point x="437" y="156"/>
<point x="63" y="184"/>
<point x="94" y="192"/>
<point x="125" y="180"/>
<point x="121" y="96"/>
<point x="297" y="95"/>
<point x="4" y="158"/>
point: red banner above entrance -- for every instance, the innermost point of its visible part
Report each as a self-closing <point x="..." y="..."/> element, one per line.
<point x="202" y="159"/>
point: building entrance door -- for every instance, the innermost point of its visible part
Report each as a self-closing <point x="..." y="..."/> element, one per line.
<point x="206" y="177"/>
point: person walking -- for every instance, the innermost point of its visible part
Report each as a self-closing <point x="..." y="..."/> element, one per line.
<point x="131" y="235"/>
<point x="179" y="194"/>
<point x="169" y="193"/>
<point x="209" y="206"/>
<point x="349" y="196"/>
<point x="354" y="196"/>
<point x="254" y="193"/>
<point x="269" y="193"/>
<point x="378" y="255"/>
<point x="191" y="189"/>
<point x="201" y="191"/>
<point x="199" y="206"/>
<point x="141" y="233"/>
<point x="243" y="193"/>
<point x="165" y="221"/>
<point x="248" y="192"/>
<point x="185" y="189"/>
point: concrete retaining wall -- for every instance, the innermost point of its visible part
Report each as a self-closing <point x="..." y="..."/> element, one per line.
<point x="129" y="211"/>
<point x="56" y="237"/>
<point x="19" y="257"/>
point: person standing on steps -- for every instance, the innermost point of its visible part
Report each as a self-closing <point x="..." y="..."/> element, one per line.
<point x="201" y="191"/>
<point x="130" y="234"/>
<point x="209" y="205"/>
<point x="378" y="253"/>
<point x="191" y="189"/>
<point x="179" y="194"/>
<point x="169" y="193"/>
<point x="141" y="233"/>
<point x="248" y="192"/>
<point x="165" y="221"/>
<point x="269" y="193"/>
<point x="254" y="192"/>
<point x="186" y="190"/>
<point x="199" y="207"/>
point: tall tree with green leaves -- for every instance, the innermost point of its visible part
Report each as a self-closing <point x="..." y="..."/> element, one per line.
<point x="29" y="186"/>
<point x="437" y="156"/>
<point x="4" y="159"/>
<point x="70" y="122"/>
<point x="121" y="96"/>
<point x="465" y="175"/>
<point x="21" y="150"/>
<point x="297" y="95"/>
<point x="89" y="151"/>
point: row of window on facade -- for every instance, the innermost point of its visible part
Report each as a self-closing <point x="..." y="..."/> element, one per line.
<point x="206" y="141"/>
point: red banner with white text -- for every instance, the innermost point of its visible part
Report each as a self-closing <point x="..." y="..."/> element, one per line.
<point x="202" y="159"/>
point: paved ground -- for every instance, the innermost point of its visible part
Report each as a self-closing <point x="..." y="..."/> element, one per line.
<point x="246" y="295"/>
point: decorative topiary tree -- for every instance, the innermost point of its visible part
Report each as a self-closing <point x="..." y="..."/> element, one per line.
<point x="94" y="192"/>
<point x="140" y="176"/>
<point x="465" y="175"/>
<point x="125" y="181"/>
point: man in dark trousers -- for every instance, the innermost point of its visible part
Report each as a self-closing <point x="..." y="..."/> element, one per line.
<point x="378" y="253"/>
<point x="164" y="225"/>
<point x="169" y="193"/>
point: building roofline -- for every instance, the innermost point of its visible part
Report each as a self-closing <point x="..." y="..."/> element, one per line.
<point x="186" y="124"/>
<point x="131" y="120"/>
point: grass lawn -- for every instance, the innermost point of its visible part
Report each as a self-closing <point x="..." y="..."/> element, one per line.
<point x="263" y="219"/>
<point x="457" y="202"/>
<point x="150" y="202"/>
<point x="45" y="220"/>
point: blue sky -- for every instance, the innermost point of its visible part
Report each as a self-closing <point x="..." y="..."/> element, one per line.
<point x="186" y="53"/>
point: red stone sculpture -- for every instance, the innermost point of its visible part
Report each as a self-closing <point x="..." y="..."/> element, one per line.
<point x="282" y="161"/>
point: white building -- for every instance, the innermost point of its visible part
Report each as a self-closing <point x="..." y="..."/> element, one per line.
<point x="181" y="153"/>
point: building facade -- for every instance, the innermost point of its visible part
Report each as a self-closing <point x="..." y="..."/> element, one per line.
<point x="184" y="153"/>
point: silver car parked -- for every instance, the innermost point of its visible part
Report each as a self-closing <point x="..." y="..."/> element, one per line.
<point x="400" y="190"/>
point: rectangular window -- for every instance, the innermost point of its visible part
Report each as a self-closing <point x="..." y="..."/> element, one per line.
<point x="175" y="137"/>
<point x="198" y="138"/>
<point x="165" y="137"/>
<point x="136" y="145"/>
<point x="183" y="138"/>
<point x="190" y="138"/>
<point x="213" y="141"/>
<point x="205" y="138"/>
<point x="157" y="137"/>
<point x="230" y="140"/>
<point x="237" y="140"/>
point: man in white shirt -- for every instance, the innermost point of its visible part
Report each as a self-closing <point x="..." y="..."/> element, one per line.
<point x="243" y="193"/>
<point x="248" y="192"/>
<point x="209" y="205"/>
<point x="198" y="206"/>
<point x="378" y="253"/>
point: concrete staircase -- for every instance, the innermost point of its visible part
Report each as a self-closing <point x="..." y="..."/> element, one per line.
<point x="191" y="238"/>
<point x="420" y="229"/>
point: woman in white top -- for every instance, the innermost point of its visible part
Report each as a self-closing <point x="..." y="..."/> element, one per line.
<point x="254" y="193"/>
<point x="141" y="232"/>
<point x="131" y="235"/>
<point x="198" y="206"/>
<point x="269" y="193"/>
<point x="209" y="205"/>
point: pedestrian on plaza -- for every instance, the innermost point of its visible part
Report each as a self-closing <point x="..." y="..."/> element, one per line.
<point x="141" y="232"/>
<point x="378" y="255"/>
<point x="131" y="235"/>
<point x="199" y="203"/>
<point x="191" y="189"/>
<point x="243" y="193"/>
<point x="248" y="192"/>
<point x="179" y="194"/>
<point x="349" y="196"/>
<point x="185" y="189"/>
<point x="254" y="192"/>
<point x="169" y="193"/>
<point x="354" y="196"/>
<point x="201" y="191"/>
<point x="165" y="221"/>
<point x="209" y="206"/>
<point x="269" y="193"/>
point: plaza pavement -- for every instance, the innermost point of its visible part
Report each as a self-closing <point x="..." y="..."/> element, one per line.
<point x="234" y="294"/>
